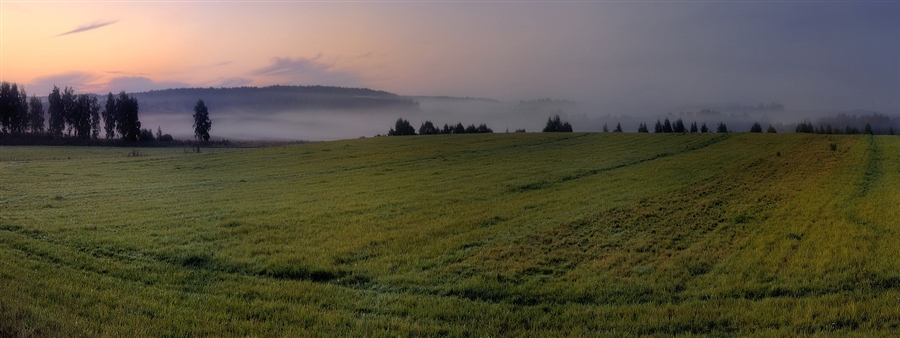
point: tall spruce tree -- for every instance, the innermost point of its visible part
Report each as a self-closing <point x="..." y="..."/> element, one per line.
<point x="202" y="123"/>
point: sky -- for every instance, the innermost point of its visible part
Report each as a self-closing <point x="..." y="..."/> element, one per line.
<point x="620" y="57"/>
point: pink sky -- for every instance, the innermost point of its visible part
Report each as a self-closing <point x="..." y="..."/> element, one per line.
<point x="618" y="55"/>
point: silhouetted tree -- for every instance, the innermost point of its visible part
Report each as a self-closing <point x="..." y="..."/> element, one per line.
<point x="703" y="128"/>
<point x="459" y="129"/>
<point x="69" y="102"/>
<point x="146" y="135"/>
<point x="805" y="127"/>
<point x="618" y="128"/>
<point x="851" y="131"/>
<point x="202" y="123"/>
<point x="891" y="131"/>
<point x="84" y="116"/>
<point x="110" y="116"/>
<point x="95" y="117"/>
<point x="678" y="127"/>
<point x="605" y="128"/>
<point x="694" y="127"/>
<point x="56" y="110"/>
<point x="471" y="129"/>
<point x="483" y="129"/>
<point x="428" y="128"/>
<point x="642" y="128"/>
<point x="658" y="128"/>
<point x="402" y="127"/>
<point x="36" y="116"/>
<point x="20" y="120"/>
<point x="128" y="124"/>
<point x="7" y="105"/>
<point x="667" y="126"/>
<point x="771" y="130"/>
<point x="721" y="128"/>
<point x="868" y="129"/>
<point x="756" y="128"/>
<point x="13" y="108"/>
<point x="555" y="124"/>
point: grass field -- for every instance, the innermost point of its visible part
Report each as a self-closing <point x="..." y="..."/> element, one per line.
<point x="457" y="235"/>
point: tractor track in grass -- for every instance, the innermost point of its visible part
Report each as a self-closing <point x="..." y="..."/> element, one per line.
<point x="872" y="176"/>
<point x="586" y="173"/>
<point x="489" y="150"/>
<point x="873" y="172"/>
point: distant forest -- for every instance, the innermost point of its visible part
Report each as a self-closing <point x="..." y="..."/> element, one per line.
<point x="276" y="98"/>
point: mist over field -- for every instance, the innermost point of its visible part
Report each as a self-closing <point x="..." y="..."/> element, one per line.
<point x="299" y="113"/>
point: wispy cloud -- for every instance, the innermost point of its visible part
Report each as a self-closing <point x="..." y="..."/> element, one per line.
<point x="88" y="27"/>
<point x="289" y="66"/>
<point x="80" y="81"/>
<point x="233" y="82"/>
<point x="307" y="70"/>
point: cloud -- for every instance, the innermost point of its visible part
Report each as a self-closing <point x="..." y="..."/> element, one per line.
<point x="234" y="82"/>
<point x="133" y="84"/>
<point x="88" y="27"/>
<point x="307" y="71"/>
<point x="80" y="81"/>
<point x="85" y="82"/>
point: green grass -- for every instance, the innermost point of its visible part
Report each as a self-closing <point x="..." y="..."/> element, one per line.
<point x="457" y="235"/>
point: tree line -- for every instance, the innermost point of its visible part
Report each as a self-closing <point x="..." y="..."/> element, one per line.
<point x="15" y="115"/>
<point x="809" y="128"/>
<point x="81" y="117"/>
<point x="678" y="126"/>
<point x="403" y="127"/>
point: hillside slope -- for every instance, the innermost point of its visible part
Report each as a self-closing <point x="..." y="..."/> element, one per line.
<point x="460" y="235"/>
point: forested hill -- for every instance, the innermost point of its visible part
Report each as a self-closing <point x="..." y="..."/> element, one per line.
<point x="275" y="98"/>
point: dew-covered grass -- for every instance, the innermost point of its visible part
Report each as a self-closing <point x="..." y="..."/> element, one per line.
<point x="456" y="235"/>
